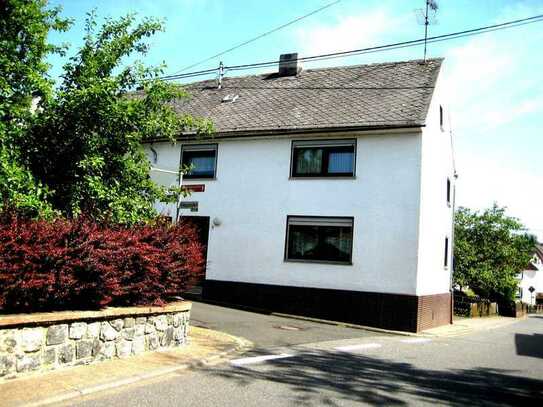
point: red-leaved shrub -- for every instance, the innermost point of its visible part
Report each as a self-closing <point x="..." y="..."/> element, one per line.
<point x="78" y="264"/>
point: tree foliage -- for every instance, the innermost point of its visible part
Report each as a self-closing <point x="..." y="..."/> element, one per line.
<point x="490" y="250"/>
<point x="24" y="26"/>
<point x="79" y="150"/>
<point x="86" y="144"/>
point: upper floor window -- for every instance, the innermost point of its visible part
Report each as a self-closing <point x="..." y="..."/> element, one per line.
<point x="201" y="159"/>
<point x="448" y="191"/>
<point x="323" y="158"/>
<point x="319" y="239"/>
<point x="441" y="116"/>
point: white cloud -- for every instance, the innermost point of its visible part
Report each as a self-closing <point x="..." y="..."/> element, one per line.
<point x="485" y="181"/>
<point x="347" y="33"/>
<point x="515" y="112"/>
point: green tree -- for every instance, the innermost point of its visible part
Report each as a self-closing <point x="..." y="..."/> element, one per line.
<point x="490" y="250"/>
<point x="24" y="26"/>
<point x="86" y="144"/>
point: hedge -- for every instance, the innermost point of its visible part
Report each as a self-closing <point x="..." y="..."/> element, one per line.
<point x="79" y="264"/>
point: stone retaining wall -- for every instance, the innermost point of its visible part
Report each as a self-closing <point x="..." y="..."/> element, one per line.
<point x="56" y="340"/>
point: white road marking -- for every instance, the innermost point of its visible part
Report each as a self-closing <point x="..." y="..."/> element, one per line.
<point x="358" y="347"/>
<point x="416" y="340"/>
<point x="258" y="359"/>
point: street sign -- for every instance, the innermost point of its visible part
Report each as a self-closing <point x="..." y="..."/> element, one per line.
<point x="193" y="206"/>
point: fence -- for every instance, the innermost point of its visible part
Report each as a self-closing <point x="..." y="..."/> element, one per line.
<point x="472" y="307"/>
<point x="535" y="309"/>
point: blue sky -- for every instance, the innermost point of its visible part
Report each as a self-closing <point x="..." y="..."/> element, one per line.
<point x="494" y="80"/>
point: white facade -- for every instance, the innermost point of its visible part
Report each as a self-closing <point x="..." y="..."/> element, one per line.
<point x="436" y="210"/>
<point x="397" y="198"/>
<point x="531" y="278"/>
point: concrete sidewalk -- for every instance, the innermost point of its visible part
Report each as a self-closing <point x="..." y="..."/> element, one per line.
<point x="463" y="326"/>
<point x="206" y="347"/>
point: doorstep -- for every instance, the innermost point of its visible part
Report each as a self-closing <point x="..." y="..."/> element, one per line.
<point x="206" y="347"/>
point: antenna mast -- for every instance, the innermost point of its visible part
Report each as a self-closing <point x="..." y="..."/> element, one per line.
<point x="431" y="5"/>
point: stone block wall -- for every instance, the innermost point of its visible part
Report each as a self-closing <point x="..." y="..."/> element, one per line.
<point x="52" y="346"/>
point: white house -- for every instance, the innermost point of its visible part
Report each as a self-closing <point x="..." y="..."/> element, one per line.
<point x="329" y="192"/>
<point x="532" y="277"/>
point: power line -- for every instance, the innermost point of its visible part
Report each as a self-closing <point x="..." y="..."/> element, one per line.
<point x="257" y="37"/>
<point x="380" y="48"/>
<point x="437" y="38"/>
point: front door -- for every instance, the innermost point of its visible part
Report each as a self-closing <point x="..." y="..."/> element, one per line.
<point x="202" y="226"/>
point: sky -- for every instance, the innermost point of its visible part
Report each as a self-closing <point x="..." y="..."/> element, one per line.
<point x="494" y="81"/>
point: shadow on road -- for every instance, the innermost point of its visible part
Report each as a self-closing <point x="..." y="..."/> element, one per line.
<point x="529" y="345"/>
<point x="324" y="377"/>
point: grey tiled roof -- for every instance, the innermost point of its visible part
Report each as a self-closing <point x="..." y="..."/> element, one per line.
<point x="364" y="96"/>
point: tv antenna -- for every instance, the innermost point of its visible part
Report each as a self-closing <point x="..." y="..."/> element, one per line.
<point x="427" y="16"/>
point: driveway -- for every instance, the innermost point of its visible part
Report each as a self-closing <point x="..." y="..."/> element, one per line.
<point x="269" y="330"/>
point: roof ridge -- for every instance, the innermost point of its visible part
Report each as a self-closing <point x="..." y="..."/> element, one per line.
<point x="330" y="68"/>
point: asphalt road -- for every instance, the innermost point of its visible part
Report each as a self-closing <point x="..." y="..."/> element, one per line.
<point x="503" y="366"/>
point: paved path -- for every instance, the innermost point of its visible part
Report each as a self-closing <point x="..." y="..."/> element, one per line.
<point x="268" y="330"/>
<point x="498" y="367"/>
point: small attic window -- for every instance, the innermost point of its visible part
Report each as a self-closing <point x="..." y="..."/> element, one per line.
<point x="230" y="98"/>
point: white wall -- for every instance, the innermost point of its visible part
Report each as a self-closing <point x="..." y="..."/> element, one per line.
<point x="436" y="215"/>
<point x="532" y="278"/>
<point x="252" y="196"/>
<point x="167" y="159"/>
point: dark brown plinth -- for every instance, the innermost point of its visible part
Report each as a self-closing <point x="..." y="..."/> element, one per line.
<point x="400" y="312"/>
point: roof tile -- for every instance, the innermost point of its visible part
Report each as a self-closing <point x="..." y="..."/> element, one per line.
<point x="377" y="95"/>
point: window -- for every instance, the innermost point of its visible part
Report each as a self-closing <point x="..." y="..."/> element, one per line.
<point x="319" y="239"/>
<point x="328" y="158"/>
<point x="202" y="159"/>
<point x="446" y="259"/>
<point x="448" y="191"/>
<point x="441" y="116"/>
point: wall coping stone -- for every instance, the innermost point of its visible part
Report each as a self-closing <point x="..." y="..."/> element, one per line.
<point x="46" y="318"/>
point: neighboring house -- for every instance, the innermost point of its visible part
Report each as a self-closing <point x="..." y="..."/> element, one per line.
<point x="532" y="277"/>
<point x="329" y="192"/>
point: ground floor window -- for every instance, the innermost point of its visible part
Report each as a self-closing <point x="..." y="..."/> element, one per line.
<point x="319" y="239"/>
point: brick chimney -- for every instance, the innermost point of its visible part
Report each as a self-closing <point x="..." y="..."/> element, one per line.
<point x="288" y="65"/>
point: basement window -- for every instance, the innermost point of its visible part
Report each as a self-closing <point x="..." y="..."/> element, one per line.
<point x="319" y="239"/>
<point x="201" y="158"/>
<point x="323" y="158"/>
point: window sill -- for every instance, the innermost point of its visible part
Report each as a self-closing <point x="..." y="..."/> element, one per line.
<point x="334" y="263"/>
<point x="199" y="179"/>
<point x="321" y="178"/>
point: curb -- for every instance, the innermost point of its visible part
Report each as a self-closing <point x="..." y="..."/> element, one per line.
<point x="463" y="330"/>
<point x="346" y="325"/>
<point x="242" y="345"/>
